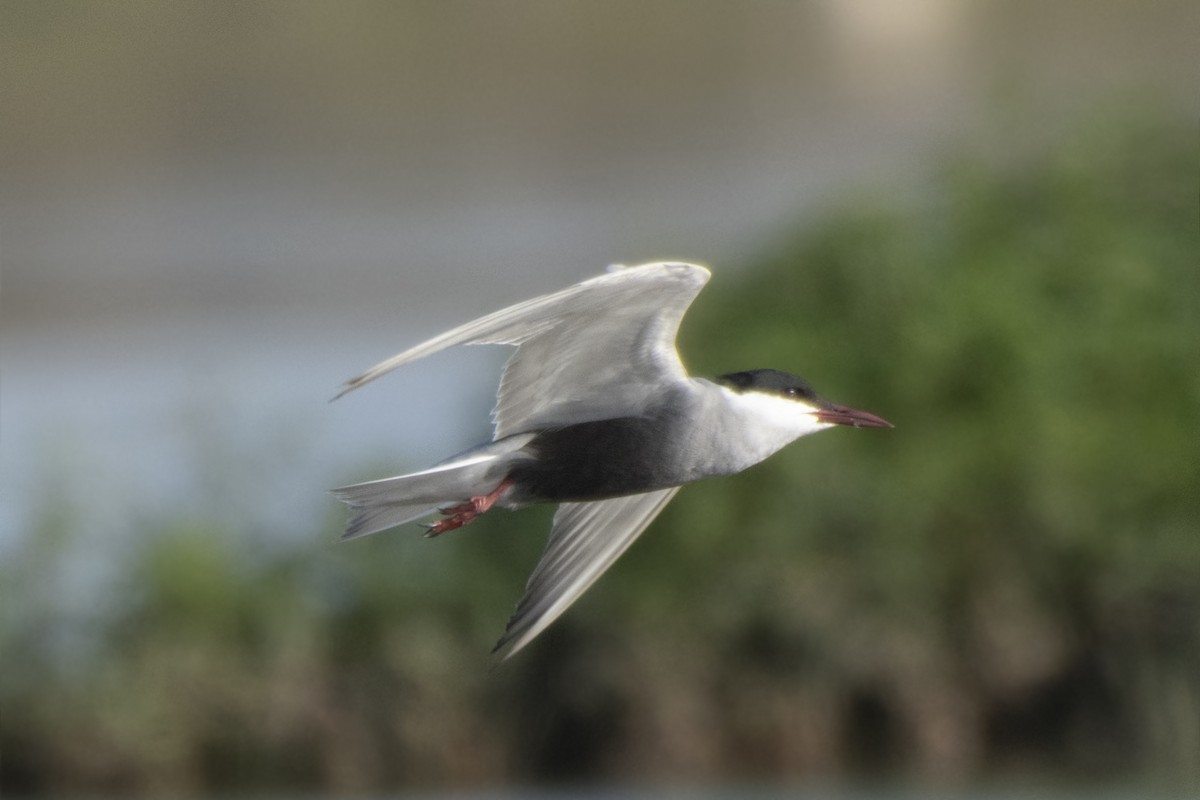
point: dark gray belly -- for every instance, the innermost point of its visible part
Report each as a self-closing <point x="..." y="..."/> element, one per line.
<point x="599" y="460"/>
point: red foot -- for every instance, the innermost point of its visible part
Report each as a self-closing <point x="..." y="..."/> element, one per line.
<point x="465" y="513"/>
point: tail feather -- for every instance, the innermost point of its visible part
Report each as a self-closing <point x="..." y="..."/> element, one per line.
<point x="386" y="503"/>
<point x="381" y="517"/>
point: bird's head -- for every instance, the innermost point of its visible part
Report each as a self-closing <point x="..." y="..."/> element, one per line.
<point x="787" y="401"/>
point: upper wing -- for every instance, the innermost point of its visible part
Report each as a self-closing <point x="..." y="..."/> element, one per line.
<point x="583" y="352"/>
<point x="585" y="540"/>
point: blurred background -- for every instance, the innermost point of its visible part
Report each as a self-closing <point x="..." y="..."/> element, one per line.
<point x="977" y="219"/>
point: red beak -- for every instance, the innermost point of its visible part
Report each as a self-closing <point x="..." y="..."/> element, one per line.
<point x="844" y="415"/>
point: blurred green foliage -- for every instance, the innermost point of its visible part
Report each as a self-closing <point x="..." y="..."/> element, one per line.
<point x="1007" y="583"/>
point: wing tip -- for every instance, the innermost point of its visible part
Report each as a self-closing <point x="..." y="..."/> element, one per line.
<point x="511" y="643"/>
<point x="354" y="383"/>
<point x="677" y="267"/>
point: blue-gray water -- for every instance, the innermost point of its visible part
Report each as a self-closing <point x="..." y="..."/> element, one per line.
<point x="198" y="257"/>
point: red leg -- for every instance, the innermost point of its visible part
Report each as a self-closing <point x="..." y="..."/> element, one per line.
<point x="465" y="513"/>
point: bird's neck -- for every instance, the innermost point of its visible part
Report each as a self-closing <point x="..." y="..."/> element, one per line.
<point x="752" y="425"/>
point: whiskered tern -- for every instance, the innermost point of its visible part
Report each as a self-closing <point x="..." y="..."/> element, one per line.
<point x="596" y="413"/>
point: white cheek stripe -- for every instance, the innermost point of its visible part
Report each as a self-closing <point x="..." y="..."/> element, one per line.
<point x="785" y="418"/>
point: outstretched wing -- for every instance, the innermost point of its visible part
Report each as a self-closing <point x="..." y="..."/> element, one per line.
<point x="590" y="351"/>
<point x="585" y="540"/>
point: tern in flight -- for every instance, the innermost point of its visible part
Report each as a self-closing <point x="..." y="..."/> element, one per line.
<point x="597" y="414"/>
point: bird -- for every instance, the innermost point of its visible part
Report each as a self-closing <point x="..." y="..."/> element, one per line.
<point x="595" y="413"/>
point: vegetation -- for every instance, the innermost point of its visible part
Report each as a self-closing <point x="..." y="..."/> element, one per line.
<point x="1008" y="583"/>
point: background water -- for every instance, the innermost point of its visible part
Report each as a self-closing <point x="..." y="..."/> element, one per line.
<point x="235" y="209"/>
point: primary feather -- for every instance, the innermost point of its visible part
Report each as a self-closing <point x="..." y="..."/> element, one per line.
<point x="631" y="315"/>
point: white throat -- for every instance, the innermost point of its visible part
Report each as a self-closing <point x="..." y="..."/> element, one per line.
<point x="767" y="422"/>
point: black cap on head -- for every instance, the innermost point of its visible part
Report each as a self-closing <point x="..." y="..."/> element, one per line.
<point x="777" y="382"/>
<point x="770" y="381"/>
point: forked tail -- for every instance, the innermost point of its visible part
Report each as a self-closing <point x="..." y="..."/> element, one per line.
<point x="379" y="505"/>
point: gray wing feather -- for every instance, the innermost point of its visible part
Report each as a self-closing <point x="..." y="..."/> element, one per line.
<point x="583" y="352"/>
<point x="585" y="540"/>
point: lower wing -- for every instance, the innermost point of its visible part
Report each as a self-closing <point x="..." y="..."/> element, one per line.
<point x="585" y="540"/>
